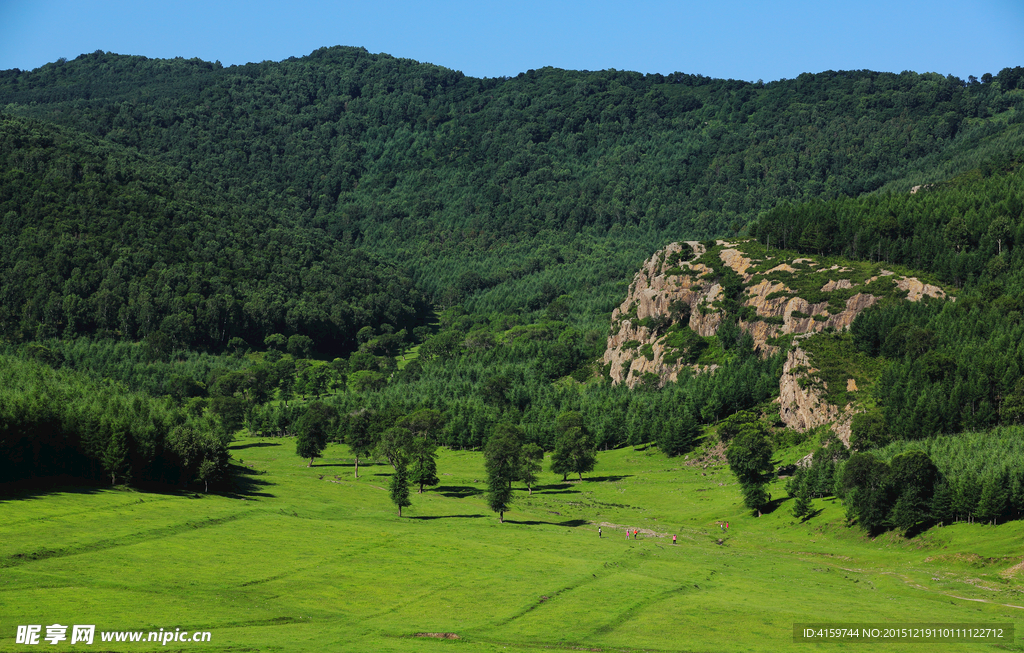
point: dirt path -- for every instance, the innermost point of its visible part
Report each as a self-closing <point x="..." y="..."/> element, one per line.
<point x="643" y="531"/>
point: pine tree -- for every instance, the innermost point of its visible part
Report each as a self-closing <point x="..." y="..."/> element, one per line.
<point x="678" y="434"/>
<point x="115" y="457"/>
<point x="941" y="509"/>
<point x="399" y="488"/>
<point x="530" y="465"/>
<point x="424" y="463"/>
<point x="803" y="506"/>
<point x="993" y="498"/>
<point x="502" y="460"/>
<point x="750" y="459"/>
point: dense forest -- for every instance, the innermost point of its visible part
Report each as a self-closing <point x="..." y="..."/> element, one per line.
<point x="463" y="176"/>
<point x="100" y="241"/>
<point x="353" y="246"/>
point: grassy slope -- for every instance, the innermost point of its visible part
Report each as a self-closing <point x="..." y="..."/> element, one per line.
<point x="300" y="563"/>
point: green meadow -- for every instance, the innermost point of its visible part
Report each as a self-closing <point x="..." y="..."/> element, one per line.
<point x="303" y="558"/>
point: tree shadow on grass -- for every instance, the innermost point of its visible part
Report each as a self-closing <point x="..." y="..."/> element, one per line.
<point x="457" y="491"/>
<point x="560" y="488"/>
<point x="600" y="479"/>
<point x="918" y="528"/>
<point x="572" y="523"/>
<point x="236" y="447"/>
<point x="34" y="488"/>
<point x="811" y="515"/>
<point x="245" y="483"/>
<point x="773" y="505"/>
<point x="448" y="517"/>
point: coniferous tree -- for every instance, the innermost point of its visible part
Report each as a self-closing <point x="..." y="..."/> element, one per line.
<point x="502" y="459"/>
<point x="749" y="456"/>
<point x="941" y="509"/>
<point x="530" y="465"/>
<point x="423" y="456"/>
<point x="399" y="488"/>
<point x="115" y="457"/>
<point x="678" y="434"/>
<point x="803" y="506"/>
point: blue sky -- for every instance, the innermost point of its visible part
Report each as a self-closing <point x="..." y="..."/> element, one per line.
<point x="742" y="39"/>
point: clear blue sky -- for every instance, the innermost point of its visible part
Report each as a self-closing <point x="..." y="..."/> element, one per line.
<point x="742" y="39"/>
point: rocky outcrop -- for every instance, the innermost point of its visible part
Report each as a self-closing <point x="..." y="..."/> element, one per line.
<point x="801" y="399"/>
<point x="680" y="288"/>
<point x="680" y="285"/>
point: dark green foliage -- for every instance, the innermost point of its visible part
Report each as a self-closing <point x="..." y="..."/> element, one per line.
<point x="530" y="465"/>
<point x="64" y="423"/>
<point x="423" y="458"/>
<point x="359" y="434"/>
<point x="867" y="492"/>
<point x="398" y="489"/>
<point x="821" y="477"/>
<point x="314" y="428"/>
<point x="750" y="459"/>
<point x="677" y="434"/>
<point x="202" y="455"/>
<point x="735" y="423"/>
<point x="104" y="242"/>
<point x="575" y="451"/>
<point x="913" y="476"/>
<point x="115" y="457"/>
<point x="394" y="445"/>
<point x="898" y="494"/>
<point x="941" y="508"/>
<point x="682" y="344"/>
<point x="680" y="151"/>
<point x="502" y="460"/>
<point x="316" y="204"/>
<point x="802" y="507"/>
<point x="868" y="431"/>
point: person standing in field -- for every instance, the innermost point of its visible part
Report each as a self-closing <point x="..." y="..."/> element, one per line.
<point x="673" y="539"/>
<point x="598" y="531"/>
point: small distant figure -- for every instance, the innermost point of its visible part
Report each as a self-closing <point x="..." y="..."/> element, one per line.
<point x="627" y="533"/>
<point x="673" y="539"/>
<point x="726" y="525"/>
<point x="636" y="531"/>
<point x="598" y="531"/>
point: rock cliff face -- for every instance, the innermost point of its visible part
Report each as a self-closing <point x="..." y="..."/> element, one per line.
<point x="686" y="289"/>
<point x="801" y="404"/>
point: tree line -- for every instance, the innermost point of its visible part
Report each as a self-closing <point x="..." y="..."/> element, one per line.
<point x="60" y="423"/>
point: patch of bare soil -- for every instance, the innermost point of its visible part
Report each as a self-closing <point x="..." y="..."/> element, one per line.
<point x="709" y="457"/>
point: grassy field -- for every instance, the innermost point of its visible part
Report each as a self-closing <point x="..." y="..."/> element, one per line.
<point x="312" y="559"/>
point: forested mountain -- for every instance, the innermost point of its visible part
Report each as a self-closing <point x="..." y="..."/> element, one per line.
<point x="414" y="160"/>
<point x="173" y="226"/>
<point x="99" y="240"/>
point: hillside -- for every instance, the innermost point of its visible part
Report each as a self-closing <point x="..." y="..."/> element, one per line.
<point x="238" y="306"/>
<point x="160" y="214"/>
<point x="296" y="556"/>
<point x="100" y="240"/>
<point x="461" y="176"/>
<point x="688" y="293"/>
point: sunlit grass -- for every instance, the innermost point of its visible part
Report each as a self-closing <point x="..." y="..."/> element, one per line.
<point x="313" y="559"/>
